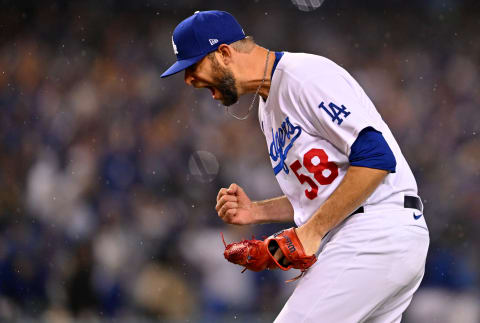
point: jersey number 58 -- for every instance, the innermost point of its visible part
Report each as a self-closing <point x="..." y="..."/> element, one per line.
<point x="316" y="162"/>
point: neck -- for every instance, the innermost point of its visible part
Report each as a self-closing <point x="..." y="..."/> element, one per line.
<point x="254" y="71"/>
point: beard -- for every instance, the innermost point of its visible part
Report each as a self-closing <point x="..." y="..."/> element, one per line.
<point x="225" y="83"/>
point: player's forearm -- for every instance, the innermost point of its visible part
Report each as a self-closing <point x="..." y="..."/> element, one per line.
<point x="278" y="209"/>
<point x="357" y="185"/>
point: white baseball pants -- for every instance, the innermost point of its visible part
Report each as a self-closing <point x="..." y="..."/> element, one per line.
<point x="367" y="271"/>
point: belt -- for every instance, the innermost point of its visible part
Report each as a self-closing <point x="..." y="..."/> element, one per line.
<point x="410" y="202"/>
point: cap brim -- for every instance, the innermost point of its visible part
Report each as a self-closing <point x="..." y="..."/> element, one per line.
<point x="180" y="65"/>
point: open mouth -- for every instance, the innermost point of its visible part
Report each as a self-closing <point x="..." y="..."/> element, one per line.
<point x="213" y="90"/>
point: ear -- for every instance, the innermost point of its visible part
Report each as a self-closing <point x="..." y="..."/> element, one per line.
<point x="226" y="53"/>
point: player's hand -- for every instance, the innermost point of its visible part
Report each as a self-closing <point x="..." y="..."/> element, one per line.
<point x="234" y="206"/>
<point x="310" y="241"/>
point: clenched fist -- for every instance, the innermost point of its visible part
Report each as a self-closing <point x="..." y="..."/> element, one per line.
<point x="234" y="206"/>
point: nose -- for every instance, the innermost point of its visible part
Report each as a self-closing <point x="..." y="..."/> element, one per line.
<point x="188" y="77"/>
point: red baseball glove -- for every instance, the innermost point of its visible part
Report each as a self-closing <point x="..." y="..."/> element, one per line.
<point x="258" y="255"/>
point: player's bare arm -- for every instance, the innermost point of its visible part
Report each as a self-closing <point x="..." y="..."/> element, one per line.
<point x="235" y="207"/>
<point x="357" y="185"/>
<point x="278" y="209"/>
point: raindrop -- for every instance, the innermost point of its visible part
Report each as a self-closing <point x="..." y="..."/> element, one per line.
<point x="307" y="5"/>
<point x="203" y="165"/>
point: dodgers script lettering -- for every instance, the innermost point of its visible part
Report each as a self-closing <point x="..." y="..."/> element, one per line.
<point x="282" y="141"/>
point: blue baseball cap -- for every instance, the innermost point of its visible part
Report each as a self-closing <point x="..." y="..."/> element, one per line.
<point x="201" y="34"/>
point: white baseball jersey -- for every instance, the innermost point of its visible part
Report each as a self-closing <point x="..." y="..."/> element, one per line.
<point x="313" y="114"/>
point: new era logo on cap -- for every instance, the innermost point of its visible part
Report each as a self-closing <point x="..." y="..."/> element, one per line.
<point x="201" y="34"/>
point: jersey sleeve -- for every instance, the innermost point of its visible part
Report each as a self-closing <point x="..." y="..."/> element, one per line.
<point x="371" y="150"/>
<point x="332" y="110"/>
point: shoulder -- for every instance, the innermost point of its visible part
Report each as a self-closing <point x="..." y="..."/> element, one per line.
<point x="302" y="69"/>
<point x="302" y="64"/>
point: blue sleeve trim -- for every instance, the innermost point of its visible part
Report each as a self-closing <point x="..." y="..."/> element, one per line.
<point x="372" y="151"/>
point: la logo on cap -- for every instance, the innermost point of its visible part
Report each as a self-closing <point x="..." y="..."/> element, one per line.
<point x="174" y="47"/>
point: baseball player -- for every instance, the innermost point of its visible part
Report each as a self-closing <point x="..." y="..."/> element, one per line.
<point x="347" y="185"/>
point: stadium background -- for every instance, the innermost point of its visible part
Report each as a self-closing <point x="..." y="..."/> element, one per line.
<point x="105" y="213"/>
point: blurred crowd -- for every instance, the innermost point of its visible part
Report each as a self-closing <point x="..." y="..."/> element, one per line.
<point x="109" y="174"/>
